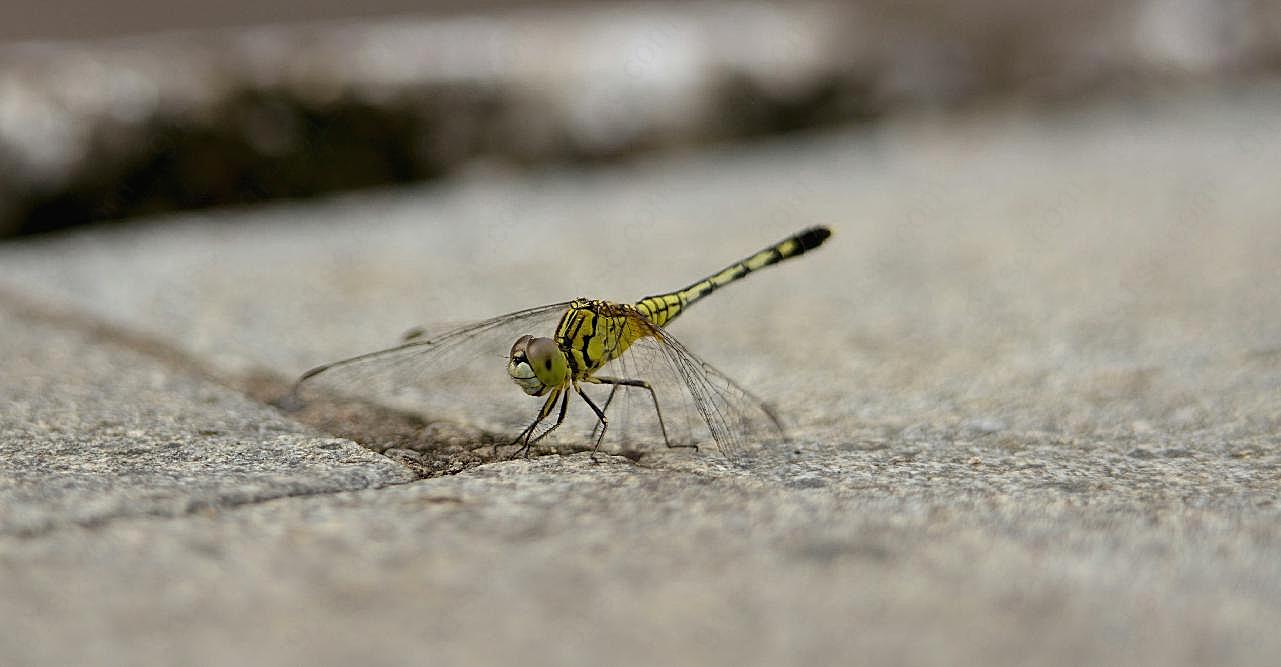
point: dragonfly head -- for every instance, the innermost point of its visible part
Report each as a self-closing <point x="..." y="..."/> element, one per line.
<point x="537" y="365"/>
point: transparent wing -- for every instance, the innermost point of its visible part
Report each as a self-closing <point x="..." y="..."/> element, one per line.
<point x="454" y="384"/>
<point x="698" y="402"/>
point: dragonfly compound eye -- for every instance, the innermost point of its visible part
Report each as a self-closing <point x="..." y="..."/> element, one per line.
<point x="519" y="348"/>
<point x="537" y="364"/>
<point x="547" y="361"/>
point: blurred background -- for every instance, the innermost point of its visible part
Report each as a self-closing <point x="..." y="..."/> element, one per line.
<point x="131" y="108"/>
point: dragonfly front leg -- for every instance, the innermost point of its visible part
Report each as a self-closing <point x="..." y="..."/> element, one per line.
<point x="560" y="419"/>
<point x="523" y="438"/>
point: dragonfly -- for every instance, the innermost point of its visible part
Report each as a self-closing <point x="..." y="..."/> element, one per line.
<point x="593" y="342"/>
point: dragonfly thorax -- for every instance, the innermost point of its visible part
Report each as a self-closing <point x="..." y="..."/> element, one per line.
<point x="537" y="365"/>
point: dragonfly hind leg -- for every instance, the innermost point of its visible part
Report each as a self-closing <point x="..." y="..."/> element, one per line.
<point x="628" y="382"/>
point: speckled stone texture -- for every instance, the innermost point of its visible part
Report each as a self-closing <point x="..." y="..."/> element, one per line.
<point x="1034" y="379"/>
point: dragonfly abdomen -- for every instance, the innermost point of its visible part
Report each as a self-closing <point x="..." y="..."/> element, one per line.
<point x="663" y="308"/>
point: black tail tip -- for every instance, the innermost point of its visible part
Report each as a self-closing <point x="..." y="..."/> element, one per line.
<point x="813" y="237"/>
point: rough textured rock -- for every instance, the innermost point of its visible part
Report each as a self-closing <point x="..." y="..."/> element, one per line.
<point x="1032" y="379"/>
<point x="92" y="431"/>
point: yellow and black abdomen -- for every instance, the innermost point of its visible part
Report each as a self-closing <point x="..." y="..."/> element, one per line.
<point x="663" y="308"/>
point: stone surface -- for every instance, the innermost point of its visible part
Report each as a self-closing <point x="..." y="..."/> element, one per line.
<point x="1033" y="383"/>
<point x="560" y="560"/>
<point x="92" y="431"/>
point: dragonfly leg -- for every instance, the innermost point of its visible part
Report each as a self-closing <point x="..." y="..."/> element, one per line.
<point x="600" y="415"/>
<point x="523" y="438"/>
<point x="560" y="419"/>
<point x="605" y="408"/>
<point x="627" y="382"/>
